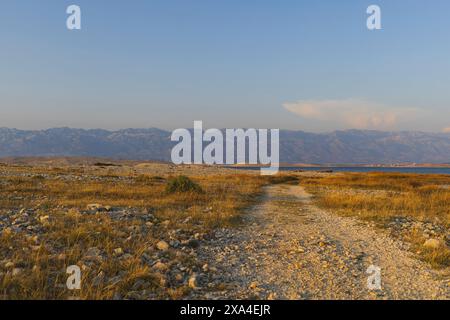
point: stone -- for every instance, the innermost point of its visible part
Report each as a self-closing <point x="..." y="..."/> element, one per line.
<point x="92" y="252"/>
<point x="193" y="283"/>
<point x="165" y="223"/>
<point x="118" y="251"/>
<point x="126" y="256"/>
<point x="198" y="236"/>
<point x="117" y="296"/>
<point x="73" y="212"/>
<point x="193" y="243"/>
<point x="44" y="219"/>
<point x="61" y="257"/>
<point x="99" y="279"/>
<point x="253" y="285"/>
<point x="179" y="277"/>
<point x="93" y="206"/>
<point x="98" y="207"/>
<point x="162" y="245"/>
<point x="272" y="296"/>
<point x="16" y="271"/>
<point x="175" y="243"/>
<point x="93" y="255"/>
<point x="7" y="231"/>
<point x="160" y="266"/>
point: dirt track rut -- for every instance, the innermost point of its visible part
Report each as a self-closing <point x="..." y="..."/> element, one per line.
<point x="290" y="249"/>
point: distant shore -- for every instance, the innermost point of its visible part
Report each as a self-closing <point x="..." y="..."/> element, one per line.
<point x="347" y="165"/>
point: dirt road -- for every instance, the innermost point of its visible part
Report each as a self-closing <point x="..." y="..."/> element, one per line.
<point x="290" y="249"/>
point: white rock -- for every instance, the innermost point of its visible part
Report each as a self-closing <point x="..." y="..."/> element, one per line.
<point x="44" y="219"/>
<point x="162" y="245"/>
<point x="118" y="251"/>
<point x="16" y="271"/>
<point x="160" y="266"/>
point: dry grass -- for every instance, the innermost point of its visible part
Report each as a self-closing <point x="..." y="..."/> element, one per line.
<point x="382" y="197"/>
<point x="63" y="234"/>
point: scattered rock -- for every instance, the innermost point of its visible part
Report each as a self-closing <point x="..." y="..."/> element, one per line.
<point x="44" y="219"/>
<point x="272" y="296"/>
<point x="160" y="266"/>
<point x="16" y="271"/>
<point x="61" y="257"/>
<point x="98" y="207"/>
<point x="126" y="256"/>
<point x="193" y="243"/>
<point x="93" y="255"/>
<point x="179" y="277"/>
<point x="162" y="245"/>
<point x="253" y="285"/>
<point x="193" y="283"/>
<point x="432" y="244"/>
<point x="99" y="279"/>
<point x="165" y="223"/>
<point x="73" y="212"/>
<point x="94" y="251"/>
<point x="118" y="251"/>
<point x="198" y="236"/>
<point x="93" y="206"/>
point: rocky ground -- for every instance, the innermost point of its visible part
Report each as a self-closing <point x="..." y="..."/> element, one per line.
<point x="173" y="261"/>
<point x="285" y="247"/>
<point x="290" y="249"/>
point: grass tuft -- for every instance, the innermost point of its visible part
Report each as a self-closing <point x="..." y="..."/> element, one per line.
<point x="182" y="184"/>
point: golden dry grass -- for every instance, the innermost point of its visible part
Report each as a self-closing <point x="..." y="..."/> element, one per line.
<point x="62" y="194"/>
<point x="62" y="240"/>
<point x="381" y="197"/>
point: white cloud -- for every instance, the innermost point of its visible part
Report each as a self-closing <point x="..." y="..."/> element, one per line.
<point x="352" y="113"/>
<point x="446" y="130"/>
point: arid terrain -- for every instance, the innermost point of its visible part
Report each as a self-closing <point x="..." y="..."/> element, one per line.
<point x="145" y="230"/>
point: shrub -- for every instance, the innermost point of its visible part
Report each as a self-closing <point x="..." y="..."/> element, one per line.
<point x="182" y="184"/>
<point x="145" y="179"/>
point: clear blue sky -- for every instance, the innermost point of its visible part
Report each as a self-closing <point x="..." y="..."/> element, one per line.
<point x="308" y="65"/>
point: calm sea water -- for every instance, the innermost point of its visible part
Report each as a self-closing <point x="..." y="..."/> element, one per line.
<point x="421" y="170"/>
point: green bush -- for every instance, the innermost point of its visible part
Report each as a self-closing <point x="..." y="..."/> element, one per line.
<point x="182" y="184"/>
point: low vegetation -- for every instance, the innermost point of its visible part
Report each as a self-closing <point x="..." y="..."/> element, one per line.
<point x="132" y="234"/>
<point x="134" y="231"/>
<point x="182" y="184"/>
<point x="416" y="207"/>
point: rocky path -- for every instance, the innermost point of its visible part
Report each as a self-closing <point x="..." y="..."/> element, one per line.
<point x="290" y="249"/>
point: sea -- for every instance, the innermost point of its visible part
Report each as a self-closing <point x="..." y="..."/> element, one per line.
<point x="419" y="170"/>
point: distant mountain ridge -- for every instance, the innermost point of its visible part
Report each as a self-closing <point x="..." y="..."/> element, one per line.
<point x="349" y="146"/>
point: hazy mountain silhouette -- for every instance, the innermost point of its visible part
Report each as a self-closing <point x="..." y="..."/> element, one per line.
<point x="350" y="146"/>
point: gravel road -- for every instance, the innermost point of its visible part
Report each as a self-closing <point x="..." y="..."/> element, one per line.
<point x="287" y="248"/>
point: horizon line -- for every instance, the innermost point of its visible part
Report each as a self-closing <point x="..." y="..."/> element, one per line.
<point x="245" y="128"/>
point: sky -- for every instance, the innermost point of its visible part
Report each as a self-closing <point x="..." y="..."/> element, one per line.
<point x="288" y="64"/>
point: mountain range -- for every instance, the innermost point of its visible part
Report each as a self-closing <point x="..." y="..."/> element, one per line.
<point x="338" y="147"/>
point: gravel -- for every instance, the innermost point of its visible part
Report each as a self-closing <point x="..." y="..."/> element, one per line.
<point x="288" y="248"/>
